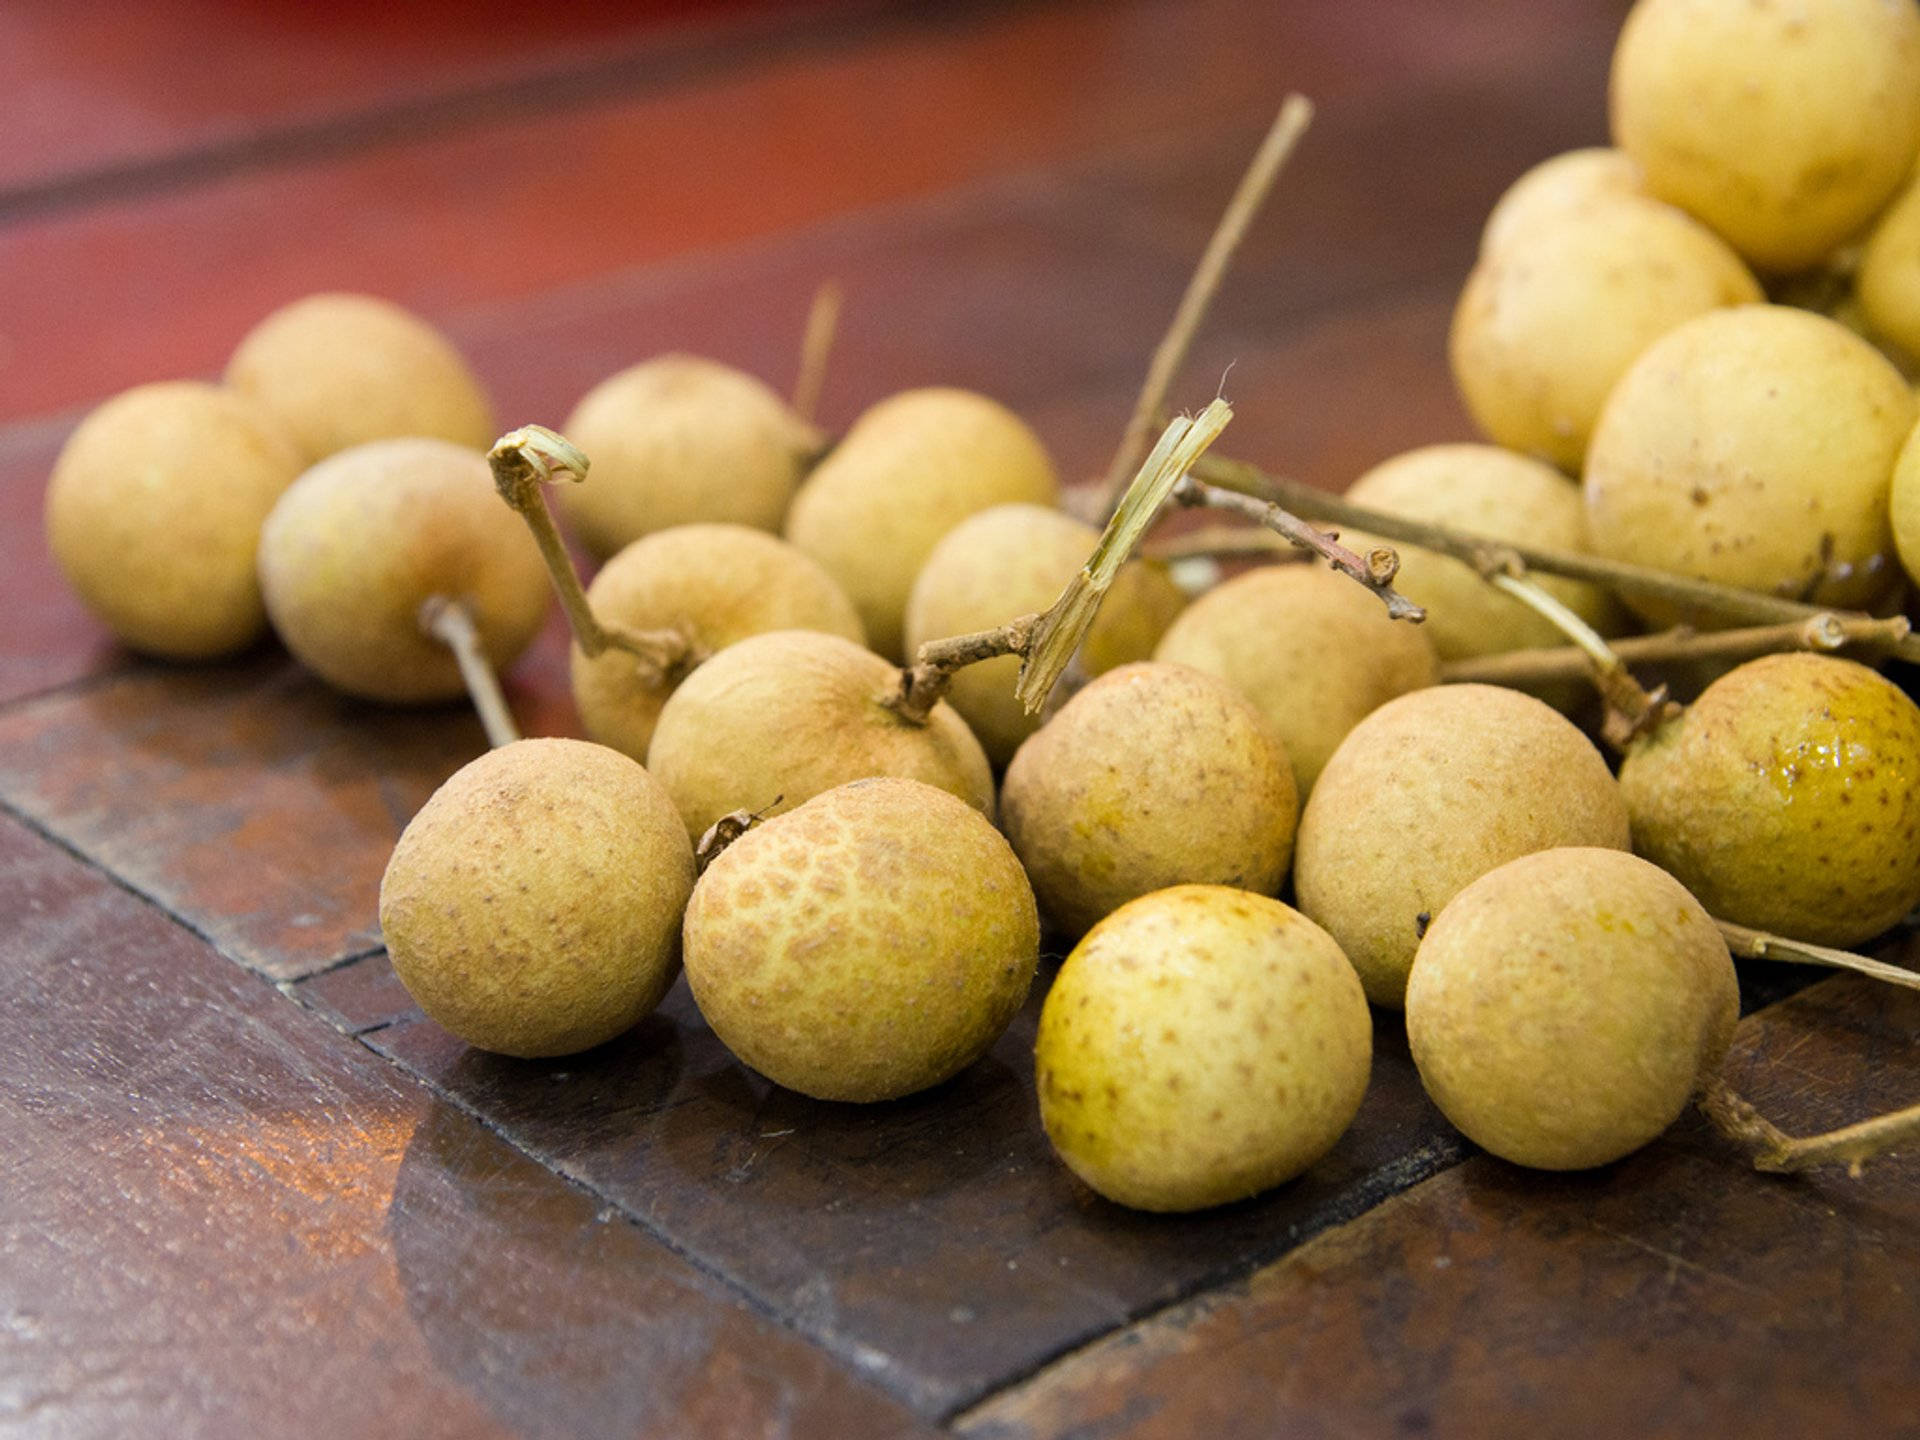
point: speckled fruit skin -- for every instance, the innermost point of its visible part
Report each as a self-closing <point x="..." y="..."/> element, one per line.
<point x="791" y="714"/>
<point x="1154" y="775"/>
<point x="911" y="468"/>
<point x="1200" y="1045"/>
<point x="1787" y="797"/>
<point x="154" y="511"/>
<point x="1753" y="447"/>
<point x="533" y="906"/>
<point x="1426" y="795"/>
<point x="340" y="370"/>
<point x="717" y="584"/>
<point x="865" y="945"/>
<point x="1014" y="560"/>
<point x="678" y="440"/>
<point x="363" y="539"/>
<point x="1565" y="1007"/>
<point x="1313" y="652"/>
<point x="1784" y="127"/>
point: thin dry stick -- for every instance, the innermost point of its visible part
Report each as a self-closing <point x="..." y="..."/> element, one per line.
<point x="1274" y="151"/>
<point x="1682" y="590"/>
<point x="1375" y="569"/>
<point x="1759" y="945"/>
<point x="823" y="324"/>
<point x="1825" y="632"/>
<point x="1225" y="542"/>
<point x="447" y="620"/>
<point x="524" y="462"/>
<point x="1775" y="1150"/>
<point x="1046" y="642"/>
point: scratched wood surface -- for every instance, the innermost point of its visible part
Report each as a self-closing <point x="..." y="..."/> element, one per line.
<point x="251" y="1191"/>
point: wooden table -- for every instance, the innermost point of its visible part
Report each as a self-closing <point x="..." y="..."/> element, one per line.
<point x="250" y="1191"/>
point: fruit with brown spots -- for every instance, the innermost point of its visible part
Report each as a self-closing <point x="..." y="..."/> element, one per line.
<point x="1787" y="798"/>
<point x="867" y="944"/>
<point x="1566" y="1006"/>
<point x="533" y="906"/>
<point x="1200" y="1044"/>
<point x="1426" y="795"/>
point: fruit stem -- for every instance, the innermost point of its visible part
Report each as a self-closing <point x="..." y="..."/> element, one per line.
<point x="816" y="345"/>
<point x="449" y="622"/>
<point x="1775" y="1150"/>
<point x="1824" y="632"/>
<point x="1206" y="542"/>
<point x="1295" y="114"/>
<point x="1375" y="569"/>
<point x="924" y="683"/>
<point x="1751" y="605"/>
<point x="1759" y="945"/>
<point x="525" y="462"/>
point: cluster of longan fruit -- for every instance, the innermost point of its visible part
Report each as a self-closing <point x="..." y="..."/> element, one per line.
<point x="859" y="907"/>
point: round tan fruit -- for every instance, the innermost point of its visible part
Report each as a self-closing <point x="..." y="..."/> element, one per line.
<point x="359" y="544"/>
<point x="1200" y="1045"/>
<point x="1887" y="283"/>
<point x="716" y="584"/>
<point x="533" y="906"/>
<point x="340" y="370"/>
<point x="867" y="944"/>
<point x="1557" y="185"/>
<point x="154" y="512"/>
<point x="1426" y="795"/>
<point x="1565" y="1007"/>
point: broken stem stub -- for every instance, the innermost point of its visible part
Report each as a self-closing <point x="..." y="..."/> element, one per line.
<point x="1772" y="1149"/>
<point x="449" y="622"/>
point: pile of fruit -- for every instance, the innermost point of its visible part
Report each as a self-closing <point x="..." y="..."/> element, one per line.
<point x="798" y="664"/>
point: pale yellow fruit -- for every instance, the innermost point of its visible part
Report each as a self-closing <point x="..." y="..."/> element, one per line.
<point x="1903" y="502"/>
<point x="1565" y="1007"/>
<point x="1787" y="798"/>
<point x="1887" y="284"/>
<point x="679" y="440"/>
<point x="715" y="584"/>
<point x="1426" y="795"/>
<point x="358" y="545"/>
<point x="1785" y="127"/>
<point x="771" y="722"/>
<point x="1154" y="775"/>
<point x="533" y="906"/>
<point x="154" y="512"/>
<point x="911" y="468"/>
<point x="1753" y="447"/>
<point x="1550" y="320"/>
<point x="1200" y="1045"/>
<point x="340" y="370"/>
<point x="1557" y="185"/>
<point x="1313" y="652"/>
<point x="872" y="942"/>
<point x="1486" y="491"/>
<point x="1014" y="560"/>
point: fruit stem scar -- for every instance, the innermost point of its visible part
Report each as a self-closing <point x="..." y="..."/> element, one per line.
<point x="1774" y="1150"/>
<point x="449" y="622"/>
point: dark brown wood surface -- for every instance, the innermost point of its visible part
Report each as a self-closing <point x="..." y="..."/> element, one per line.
<point x="251" y="1191"/>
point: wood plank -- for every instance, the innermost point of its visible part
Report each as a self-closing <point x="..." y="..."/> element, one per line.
<point x="221" y="1218"/>
<point x="1674" y="1294"/>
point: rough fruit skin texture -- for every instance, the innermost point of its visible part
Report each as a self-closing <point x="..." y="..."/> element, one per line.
<point x="717" y="584"/>
<point x="533" y="906"/>
<point x="1557" y="185"/>
<point x="1783" y="127"/>
<point x="678" y="440"/>
<point x="1154" y="775"/>
<point x="911" y="468"/>
<point x="1426" y="795"/>
<point x="1565" y="1007"/>
<point x="791" y="714"/>
<point x="340" y="370"/>
<point x="1014" y="560"/>
<point x="1313" y="652"/>
<point x="362" y="540"/>
<point x="867" y="944"/>
<point x="1200" y="1044"/>
<point x="1787" y="798"/>
<point x="1752" y="447"/>
<point x="1888" y="280"/>
<point x="154" y="512"/>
